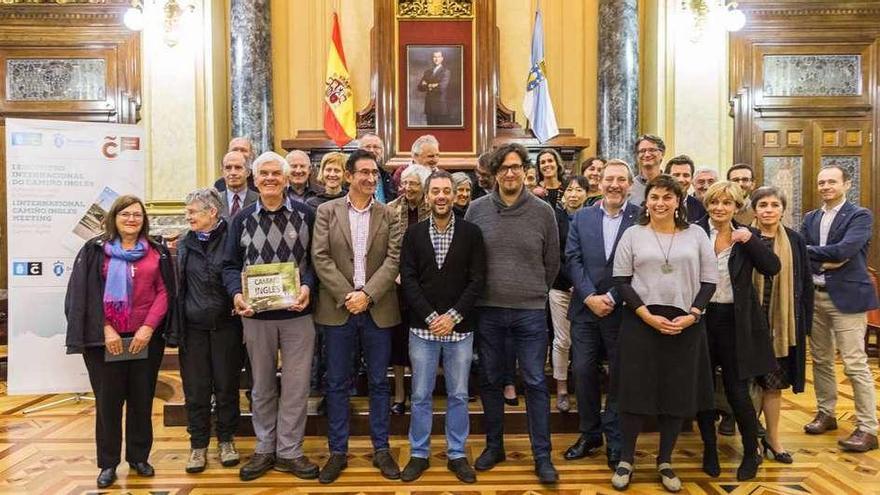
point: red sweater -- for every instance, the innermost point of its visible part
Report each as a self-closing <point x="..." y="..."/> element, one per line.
<point x="149" y="298"/>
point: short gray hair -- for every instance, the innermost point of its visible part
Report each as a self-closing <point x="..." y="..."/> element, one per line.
<point x="208" y="197"/>
<point x="460" y="178"/>
<point x="706" y="170"/>
<point x="271" y="156"/>
<point x="423" y="140"/>
<point x="420" y="171"/>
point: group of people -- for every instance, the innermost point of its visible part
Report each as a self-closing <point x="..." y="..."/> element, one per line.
<point x="667" y="287"/>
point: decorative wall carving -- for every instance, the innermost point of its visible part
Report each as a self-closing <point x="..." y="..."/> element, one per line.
<point x="433" y="9"/>
<point x="853" y="165"/>
<point x="812" y="75"/>
<point x="786" y="173"/>
<point x="54" y="79"/>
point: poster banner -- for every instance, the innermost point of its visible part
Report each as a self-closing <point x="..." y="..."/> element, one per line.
<point x="61" y="178"/>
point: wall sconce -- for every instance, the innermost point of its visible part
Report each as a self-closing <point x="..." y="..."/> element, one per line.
<point x="727" y="13"/>
<point x="173" y="12"/>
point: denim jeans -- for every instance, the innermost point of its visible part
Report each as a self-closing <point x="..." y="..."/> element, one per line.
<point x="587" y="340"/>
<point x="528" y="327"/>
<point x="340" y="342"/>
<point x="424" y="357"/>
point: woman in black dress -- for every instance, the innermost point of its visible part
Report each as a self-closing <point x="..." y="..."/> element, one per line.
<point x="739" y="340"/>
<point x="665" y="272"/>
<point x="787" y="301"/>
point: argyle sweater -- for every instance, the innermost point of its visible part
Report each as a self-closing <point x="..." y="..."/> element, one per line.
<point x="258" y="236"/>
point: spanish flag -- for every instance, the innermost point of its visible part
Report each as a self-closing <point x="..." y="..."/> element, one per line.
<point x="339" y="116"/>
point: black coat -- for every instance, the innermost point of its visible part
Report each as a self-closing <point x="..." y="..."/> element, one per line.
<point x="754" y="350"/>
<point x="457" y="284"/>
<point x="84" y="301"/>
<point x="803" y="309"/>
<point x="213" y="311"/>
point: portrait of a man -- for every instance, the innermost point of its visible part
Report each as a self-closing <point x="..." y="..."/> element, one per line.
<point x="434" y="96"/>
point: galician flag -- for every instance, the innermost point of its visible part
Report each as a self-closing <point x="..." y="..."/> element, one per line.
<point x="536" y="104"/>
<point x="339" y="116"/>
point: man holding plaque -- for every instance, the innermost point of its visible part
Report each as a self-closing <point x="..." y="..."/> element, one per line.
<point x="355" y="252"/>
<point x="268" y="272"/>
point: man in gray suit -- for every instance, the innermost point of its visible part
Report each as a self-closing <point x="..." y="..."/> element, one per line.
<point x="237" y="195"/>
<point x="355" y="251"/>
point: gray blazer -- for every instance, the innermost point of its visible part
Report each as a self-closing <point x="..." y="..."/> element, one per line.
<point x="250" y="197"/>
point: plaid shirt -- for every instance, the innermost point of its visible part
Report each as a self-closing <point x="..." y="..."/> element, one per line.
<point x="441" y="242"/>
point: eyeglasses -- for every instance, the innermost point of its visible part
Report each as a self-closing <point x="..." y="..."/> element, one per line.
<point x="502" y="170"/>
<point x="645" y="151"/>
<point x="739" y="180"/>
<point x="127" y="216"/>
<point x="369" y="173"/>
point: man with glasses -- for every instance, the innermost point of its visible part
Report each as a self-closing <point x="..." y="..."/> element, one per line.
<point x="743" y="175"/>
<point x="649" y="155"/>
<point x="522" y="259"/>
<point x="355" y="253"/>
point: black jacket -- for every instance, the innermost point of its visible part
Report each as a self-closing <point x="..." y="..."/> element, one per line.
<point x="754" y="350"/>
<point x="202" y="301"/>
<point x="457" y="285"/>
<point x="562" y="281"/>
<point x="84" y="302"/>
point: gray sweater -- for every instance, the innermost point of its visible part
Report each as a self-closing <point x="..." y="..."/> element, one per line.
<point x="522" y="250"/>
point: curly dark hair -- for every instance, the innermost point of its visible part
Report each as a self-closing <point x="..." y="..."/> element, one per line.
<point x="669" y="183"/>
<point x="503" y="151"/>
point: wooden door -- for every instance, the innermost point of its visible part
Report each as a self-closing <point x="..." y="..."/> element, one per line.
<point x="784" y="158"/>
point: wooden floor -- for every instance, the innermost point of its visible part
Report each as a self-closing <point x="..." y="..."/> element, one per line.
<point x="52" y="452"/>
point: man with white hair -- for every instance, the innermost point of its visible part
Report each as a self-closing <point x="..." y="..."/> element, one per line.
<point x="275" y="229"/>
<point x="244" y="146"/>
<point x="299" y="188"/>
<point x="703" y="178"/>
<point x="425" y="151"/>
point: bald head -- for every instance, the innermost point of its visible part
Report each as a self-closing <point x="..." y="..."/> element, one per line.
<point x="244" y="146"/>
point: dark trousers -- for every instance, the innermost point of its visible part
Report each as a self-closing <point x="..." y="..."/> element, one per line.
<point x="340" y="343"/>
<point x="632" y="424"/>
<point x="210" y="364"/>
<point x="509" y="361"/>
<point x="587" y="342"/>
<point x="721" y="330"/>
<point x="131" y="384"/>
<point x="528" y="327"/>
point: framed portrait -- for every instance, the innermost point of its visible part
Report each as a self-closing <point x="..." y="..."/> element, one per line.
<point x="434" y="89"/>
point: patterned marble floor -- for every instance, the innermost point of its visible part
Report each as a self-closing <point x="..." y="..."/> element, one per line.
<point x="52" y="452"/>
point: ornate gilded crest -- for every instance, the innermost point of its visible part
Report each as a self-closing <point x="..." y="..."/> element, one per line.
<point x="433" y="9"/>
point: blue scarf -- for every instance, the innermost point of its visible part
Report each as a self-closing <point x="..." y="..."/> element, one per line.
<point x="118" y="286"/>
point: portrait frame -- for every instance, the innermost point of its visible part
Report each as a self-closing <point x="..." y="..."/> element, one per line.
<point x="428" y="107"/>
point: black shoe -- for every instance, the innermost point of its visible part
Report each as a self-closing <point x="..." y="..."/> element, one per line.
<point x="142" y="468"/>
<point x="783" y="457"/>
<point x="387" y="465"/>
<point x="582" y="448"/>
<point x="256" y="466"/>
<point x="414" y="469"/>
<point x="727" y="426"/>
<point x="748" y="469"/>
<point x="463" y="471"/>
<point x="335" y="464"/>
<point x="710" y="461"/>
<point x="398" y="408"/>
<point x="547" y="474"/>
<point x="106" y="477"/>
<point x="301" y="467"/>
<point x="512" y="402"/>
<point x="613" y="458"/>
<point x="488" y="459"/>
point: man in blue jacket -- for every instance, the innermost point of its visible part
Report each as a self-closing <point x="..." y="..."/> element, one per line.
<point x="595" y="310"/>
<point x="837" y="238"/>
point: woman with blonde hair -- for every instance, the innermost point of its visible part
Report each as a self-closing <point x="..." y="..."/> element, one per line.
<point x="331" y="175"/>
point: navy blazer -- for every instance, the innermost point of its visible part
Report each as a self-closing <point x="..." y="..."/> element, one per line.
<point x="849" y="286"/>
<point x="694" y="208"/>
<point x="585" y="264"/>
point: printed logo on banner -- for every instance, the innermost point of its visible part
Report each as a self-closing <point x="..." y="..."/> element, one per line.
<point x="27" y="139"/>
<point x="113" y="147"/>
<point x="27" y="268"/>
<point x="58" y="140"/>
<point x="58" y="268"/>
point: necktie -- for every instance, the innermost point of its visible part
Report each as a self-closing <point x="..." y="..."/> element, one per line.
<point x="236" y="205"/>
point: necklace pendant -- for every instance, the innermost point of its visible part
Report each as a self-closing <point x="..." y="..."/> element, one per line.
<point x="666" y="268"/>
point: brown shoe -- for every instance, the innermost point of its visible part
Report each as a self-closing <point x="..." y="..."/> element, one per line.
<point x="859" y="441"/>
<point x="301" y="467"/>
<point x="820" y="424"/>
